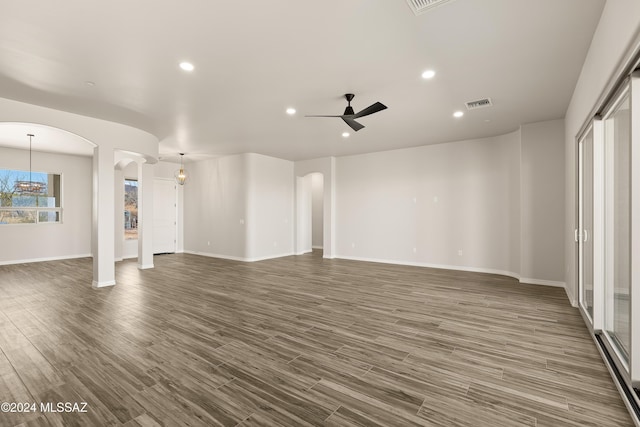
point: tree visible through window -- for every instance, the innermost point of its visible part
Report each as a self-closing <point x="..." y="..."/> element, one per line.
<point x="130" y="209"/>
<point x="32" y="206"/>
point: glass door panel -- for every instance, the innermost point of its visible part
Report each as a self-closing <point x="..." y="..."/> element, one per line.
<point x="617" y="126"/>
<point x="585" y="228"/>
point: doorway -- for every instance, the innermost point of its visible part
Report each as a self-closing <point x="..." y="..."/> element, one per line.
<point x="164" y="216"/>
<point x="310" y="213"/>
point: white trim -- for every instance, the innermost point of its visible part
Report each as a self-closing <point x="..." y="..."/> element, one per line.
<point x="615" y="381"/>
<point x="96" y="285"/>
<point x="58" y="258"/>
<point x="235" y="258"/>
<point x="269" y="257"/>
<point x="634" y="303"/>
<point x="317" y="247"/>
<point x="553" y="283"/>
<point x="210" y="255"/>
<point x="429" y="265"/>
<point x="145" y="266"/>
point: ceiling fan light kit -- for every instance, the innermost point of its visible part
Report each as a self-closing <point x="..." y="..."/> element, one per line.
<point x="349" y="116"/>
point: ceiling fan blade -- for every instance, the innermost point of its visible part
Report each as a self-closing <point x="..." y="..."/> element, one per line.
<point x="374" y="108"/>
<point x="352" y="123"/>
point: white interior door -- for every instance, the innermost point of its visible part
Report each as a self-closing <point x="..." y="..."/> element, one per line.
<point x="164" y="216"/>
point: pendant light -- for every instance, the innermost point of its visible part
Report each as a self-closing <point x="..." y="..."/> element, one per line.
<point x="181" y="175"/>
<point x="31" y="186"/>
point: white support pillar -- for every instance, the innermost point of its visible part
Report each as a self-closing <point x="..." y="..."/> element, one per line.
<point x="145" y="215"/>
<point x="330" y="211"/>
<point x="103" y="218"/>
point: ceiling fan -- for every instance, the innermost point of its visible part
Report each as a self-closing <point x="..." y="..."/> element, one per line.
<point x="349" y="116"/>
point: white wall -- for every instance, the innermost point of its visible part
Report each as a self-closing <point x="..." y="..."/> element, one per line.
<point x="215" y="207"/>
<point x="317" y="207"/>
<point x="615" y="38"/>
<point x="424" y="205"/>
<point x="304" y="205"/>
<point x="240" y="207"/>
<point x="542" y="202"/>
<point x="270" y="207"/>
<point x="71" y="238"/>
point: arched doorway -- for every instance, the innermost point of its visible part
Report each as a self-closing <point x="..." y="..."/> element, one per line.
<point x="105" y="137"/>
<point x="309" y="213"/>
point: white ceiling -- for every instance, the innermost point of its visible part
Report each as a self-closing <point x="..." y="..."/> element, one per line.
<point x="255" y="59"/>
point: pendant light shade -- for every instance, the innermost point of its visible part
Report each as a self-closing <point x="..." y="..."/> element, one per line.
<point x="181" y="175"/>
<point x="31" y="186"/>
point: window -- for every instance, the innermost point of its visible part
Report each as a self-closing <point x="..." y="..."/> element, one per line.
<point x="130" y="209"/>
<point x="18" y="206"/>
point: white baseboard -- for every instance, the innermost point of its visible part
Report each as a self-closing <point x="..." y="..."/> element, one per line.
<point x="553" y="283"/>
<point x="145" y="266"/>
<point x="104" y="284"/>
<point x="210" y="255"/>
<point x="235" y="258"/>
<point x="263" y="258"/>
<point x="429" y="265"/>
<point x="58" y="258"/>
<point x="317" y="247"/>
<point x="460" y="268"/>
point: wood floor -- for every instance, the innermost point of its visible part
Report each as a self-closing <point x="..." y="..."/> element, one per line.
<point x="296" y="341"/>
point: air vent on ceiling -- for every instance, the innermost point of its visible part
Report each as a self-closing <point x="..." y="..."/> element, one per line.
<point x="422" y="6"/>
<point x="478" y="103"/>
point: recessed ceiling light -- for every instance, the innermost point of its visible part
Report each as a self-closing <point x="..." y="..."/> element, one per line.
<point x="458" y="114"/>
<point x="345" y="134"/>
<point x="187" y="66"/>
<point x="428" y="74"/>
<point x="291" y="111"/>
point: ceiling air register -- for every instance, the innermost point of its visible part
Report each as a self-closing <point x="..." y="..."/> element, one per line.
<point x="422" y="6"/>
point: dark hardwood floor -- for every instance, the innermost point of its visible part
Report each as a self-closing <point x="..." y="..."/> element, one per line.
<point x="295" y="341"/>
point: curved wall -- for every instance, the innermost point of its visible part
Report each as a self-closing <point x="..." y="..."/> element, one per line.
<point x="468" y="205"/>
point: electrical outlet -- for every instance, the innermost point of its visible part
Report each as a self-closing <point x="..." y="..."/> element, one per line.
<point x="459" y="252"/>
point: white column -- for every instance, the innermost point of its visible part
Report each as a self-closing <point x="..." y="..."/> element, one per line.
<point x="145" y="215"/>
<point x="118" y="231"/>
<point x="329" y="232"/>
<point x="103" y="218"/>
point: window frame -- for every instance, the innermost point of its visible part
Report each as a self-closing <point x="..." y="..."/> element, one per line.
<point x="37" y="210"/>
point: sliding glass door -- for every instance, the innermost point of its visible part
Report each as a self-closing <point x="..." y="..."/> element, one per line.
<point x="584" y="233"/>
<point x="617" y="227"/>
